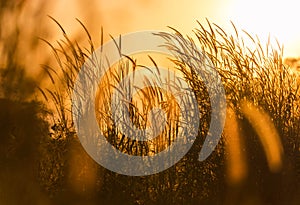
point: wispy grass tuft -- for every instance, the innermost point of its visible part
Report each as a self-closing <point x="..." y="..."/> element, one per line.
<point x="252" y="74"/>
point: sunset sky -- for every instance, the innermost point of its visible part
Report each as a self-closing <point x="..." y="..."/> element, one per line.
<point x="277" y="18"/>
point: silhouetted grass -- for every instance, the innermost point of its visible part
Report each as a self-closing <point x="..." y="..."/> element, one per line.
<point x="256" y="81"/>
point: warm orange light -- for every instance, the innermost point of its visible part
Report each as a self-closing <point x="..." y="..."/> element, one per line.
<point x="236" y="159"/>
<point x="277" y="18"/>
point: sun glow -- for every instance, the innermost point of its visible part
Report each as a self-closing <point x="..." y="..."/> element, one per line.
<point x="277" y="18"/>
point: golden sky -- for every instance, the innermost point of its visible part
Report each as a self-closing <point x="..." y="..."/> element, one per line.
<point x="279" y="18"/>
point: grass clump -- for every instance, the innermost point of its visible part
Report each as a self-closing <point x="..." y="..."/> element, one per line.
<point x="253" y="75"/>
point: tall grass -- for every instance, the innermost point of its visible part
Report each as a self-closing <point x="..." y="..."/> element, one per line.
<point x="253" y="75"/>
<point x="69" y="57"/>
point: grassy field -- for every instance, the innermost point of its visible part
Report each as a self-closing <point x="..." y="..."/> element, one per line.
<point x="257" y="160"/>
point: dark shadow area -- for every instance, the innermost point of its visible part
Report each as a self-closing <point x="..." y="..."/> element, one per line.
<point x="21" y="131"/>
